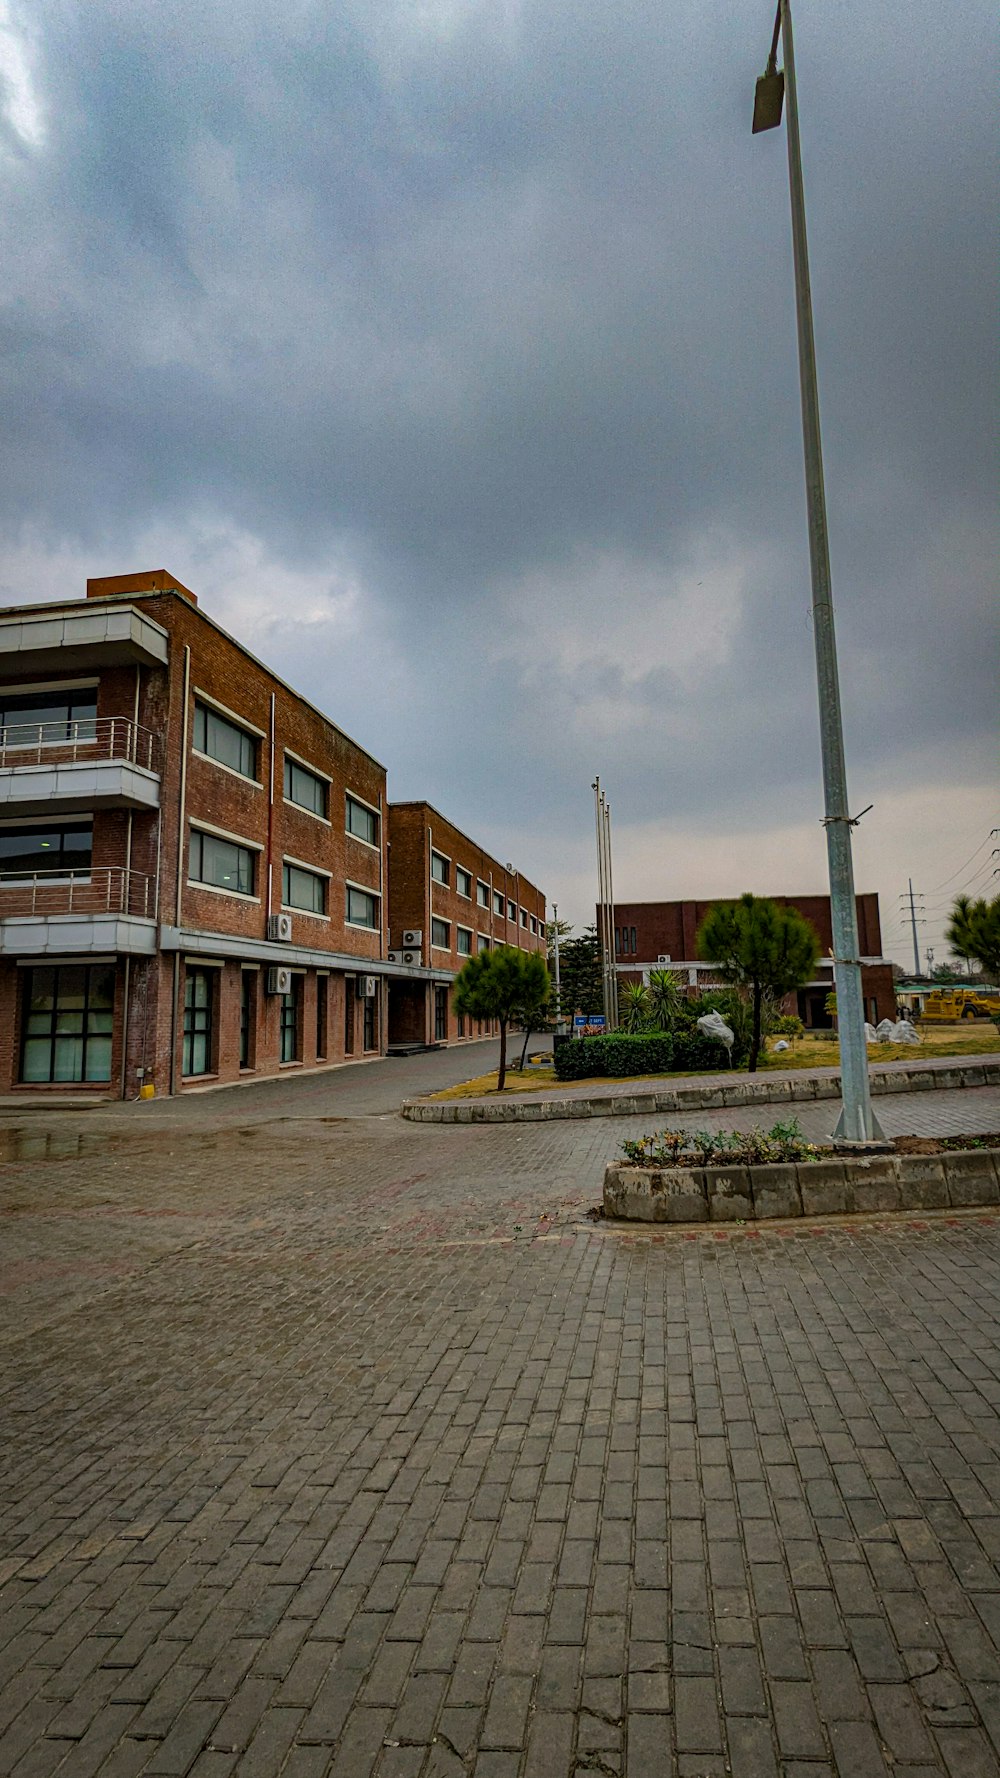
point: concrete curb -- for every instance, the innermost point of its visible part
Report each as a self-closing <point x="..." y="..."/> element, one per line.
<point x="741" y="1094"/>
<point x="957" y="1179"/>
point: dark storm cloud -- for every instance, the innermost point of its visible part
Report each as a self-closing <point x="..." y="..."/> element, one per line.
<point x="491" y="307"/>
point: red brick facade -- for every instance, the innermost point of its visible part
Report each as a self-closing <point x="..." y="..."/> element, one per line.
<point x="444" y="886"/>
<point x="193" y="860"/>
<point x="647" y="931"/>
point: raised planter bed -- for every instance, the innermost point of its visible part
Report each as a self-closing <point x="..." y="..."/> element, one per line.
<point x="953" y="1178"/>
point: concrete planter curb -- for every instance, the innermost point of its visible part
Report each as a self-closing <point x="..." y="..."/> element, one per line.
<point x="958" y="1179"/>
<point x="742" y="1094"/>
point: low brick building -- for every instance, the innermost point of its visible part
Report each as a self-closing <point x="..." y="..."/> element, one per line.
<point x="659" y="934"/>
<point x="193" y="858"/>
<point x="448" y="900"/>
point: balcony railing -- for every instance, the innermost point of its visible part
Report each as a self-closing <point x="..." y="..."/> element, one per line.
<point x="90" y="738"/>
<point x="104" y="889"/>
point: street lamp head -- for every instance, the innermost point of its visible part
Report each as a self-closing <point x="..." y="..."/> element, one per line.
<point x="768" y="99"/>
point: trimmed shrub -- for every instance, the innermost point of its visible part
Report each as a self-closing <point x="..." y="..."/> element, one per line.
<point x="695" y="1052"/>
<point x="617" y="1056"/>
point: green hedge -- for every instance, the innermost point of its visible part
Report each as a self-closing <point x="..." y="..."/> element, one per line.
<point x="617" y="1055"/>
<point x="695" y="1052"/>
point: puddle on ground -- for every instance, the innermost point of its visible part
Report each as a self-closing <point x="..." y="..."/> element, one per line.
<point x="27" y="1144"/>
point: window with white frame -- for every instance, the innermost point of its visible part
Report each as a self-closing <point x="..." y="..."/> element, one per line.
<point x="305" y="788"/>
<point x="498" y="902"/>
<point x="482" y="942"/>
<point x="362" y="908"/>
<point x="512" y="911"/>
<point x="304" y="889"/>
<point x="464" y="941"/>
<point x="222" y="864"/>
<point x="483" y="894"/>
<point x="440" y="868"/>
<point x="361" y="821"/>
<point x="441" y="935"/>
<point x="224" y="741"/>
<point x="463" y="882"/>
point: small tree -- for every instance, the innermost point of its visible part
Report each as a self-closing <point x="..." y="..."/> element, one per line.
<point x="664" y="997"/>
<point x="503" y="984"/>
<point x="973" y="933"/>
<point x="581" y="984"/>
<point x="762" y="949"/>
<point x="635" y="1007"/>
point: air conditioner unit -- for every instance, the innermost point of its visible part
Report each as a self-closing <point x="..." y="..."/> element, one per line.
<point x="395" y="956"/>
<point x="413" y="938"/>
<point x="279" y="928"/>
<point x="412" y="958"/>
<point x="664" y="957"/>
<point x="367" y="986"/>
<point x="279" y="981"/>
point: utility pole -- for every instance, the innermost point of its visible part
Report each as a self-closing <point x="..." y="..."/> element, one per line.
<point x="913" y="928"/>
<point x="555" y="940"/>
<point x="858" y="1122"/>
<point x="605" y="909"/>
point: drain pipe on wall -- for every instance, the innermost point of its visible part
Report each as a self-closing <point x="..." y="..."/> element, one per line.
<point x="179" y="900"/>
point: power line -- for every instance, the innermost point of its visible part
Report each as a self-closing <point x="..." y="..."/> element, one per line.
<point x="962" y="867"/>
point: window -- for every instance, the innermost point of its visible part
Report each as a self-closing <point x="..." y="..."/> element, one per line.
<point x="362" y="908"/>
<point x="534" y="925"/>
<point x="350" y="989"/>
<point x="512" y="911"/>
<point x="27" y="718"/>
<point x="440" y="868"/>
<point x="482" y="942"/>
<point x="224" y="741"/>
<point x="633" y="941"/>
<point x="66" y="1023"/>
<point x="461" y="1024"/>
<point x="303" y="889"/>
<point x="304" y="788"/>
<point x="440" y="1015"/>
<point x="197" y="1051"/>
<point x="524" y="917"/>
<point x="362" y="822"/>
<point x="221" y="863"/>
<point x="62" y="850"/>
<point x="441" y="934"/>
<point x="322" y="1005"/>
<point x="464" y="941"/>
<point x="498" y="902"/>
<point x="289" y="1023"/>
<point x="483" y="894"/>
<point x="463" y="882"/>
<point x="248" y="1007"/>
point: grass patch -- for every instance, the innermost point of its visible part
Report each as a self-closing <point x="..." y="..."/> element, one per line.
<point x="981" y="1039"/>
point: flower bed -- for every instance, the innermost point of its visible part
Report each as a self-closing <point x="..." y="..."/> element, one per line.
<point x="728" y="1184"/>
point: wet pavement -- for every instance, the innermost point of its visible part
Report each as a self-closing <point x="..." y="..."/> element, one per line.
<point x="336" y="1444"/>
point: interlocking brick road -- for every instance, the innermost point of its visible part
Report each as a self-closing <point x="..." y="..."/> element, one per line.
<point x="353" y="1448"/>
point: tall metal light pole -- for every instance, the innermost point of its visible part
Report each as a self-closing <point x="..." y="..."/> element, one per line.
<point x="555" y="943"/>
<point x="605" y="910"/>
<point x="858" y="1122"/>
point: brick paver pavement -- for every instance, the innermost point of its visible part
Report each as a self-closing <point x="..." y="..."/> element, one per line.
<point x="354" y="1448"/>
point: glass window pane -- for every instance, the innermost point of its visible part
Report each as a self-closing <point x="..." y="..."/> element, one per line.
<point x="37" y="1059"/>
<point x="98" y="1058"/>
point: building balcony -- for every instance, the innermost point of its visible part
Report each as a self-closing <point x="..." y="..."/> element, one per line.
<point x="104" y="762"/>
<point x="98" y="635"/>
<point x="106" y="909"/>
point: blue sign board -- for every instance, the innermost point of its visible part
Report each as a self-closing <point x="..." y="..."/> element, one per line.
<point x="592" y="1022"/>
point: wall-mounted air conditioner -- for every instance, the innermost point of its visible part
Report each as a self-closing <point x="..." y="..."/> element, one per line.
<point x="664" y="957"/>
<point x="395" y="956"/>
<point x="413" y="938"/>
<point x="367" y="987"/>
<point x="412" y="958"/>
<point x="279" y="981"/>
<point x="279" y="928"/>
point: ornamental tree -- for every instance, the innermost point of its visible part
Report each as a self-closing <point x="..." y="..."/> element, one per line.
<point x="762" y="949"/>
<point x="504" y="984"/>
<point x="973" y="933"/>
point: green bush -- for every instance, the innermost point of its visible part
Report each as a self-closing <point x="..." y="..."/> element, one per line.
<point x="696" y="1053"/>
<point x="786" y="1024"/>
<point x="617" y="1056"/>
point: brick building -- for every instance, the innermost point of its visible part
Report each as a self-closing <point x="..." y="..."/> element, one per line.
<point x="193" y="858"/>
<point x="657" y="934"/>
<point x="459" y="900"/>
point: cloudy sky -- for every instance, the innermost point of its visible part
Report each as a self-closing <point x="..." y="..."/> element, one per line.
<point x="446" y="349"/>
